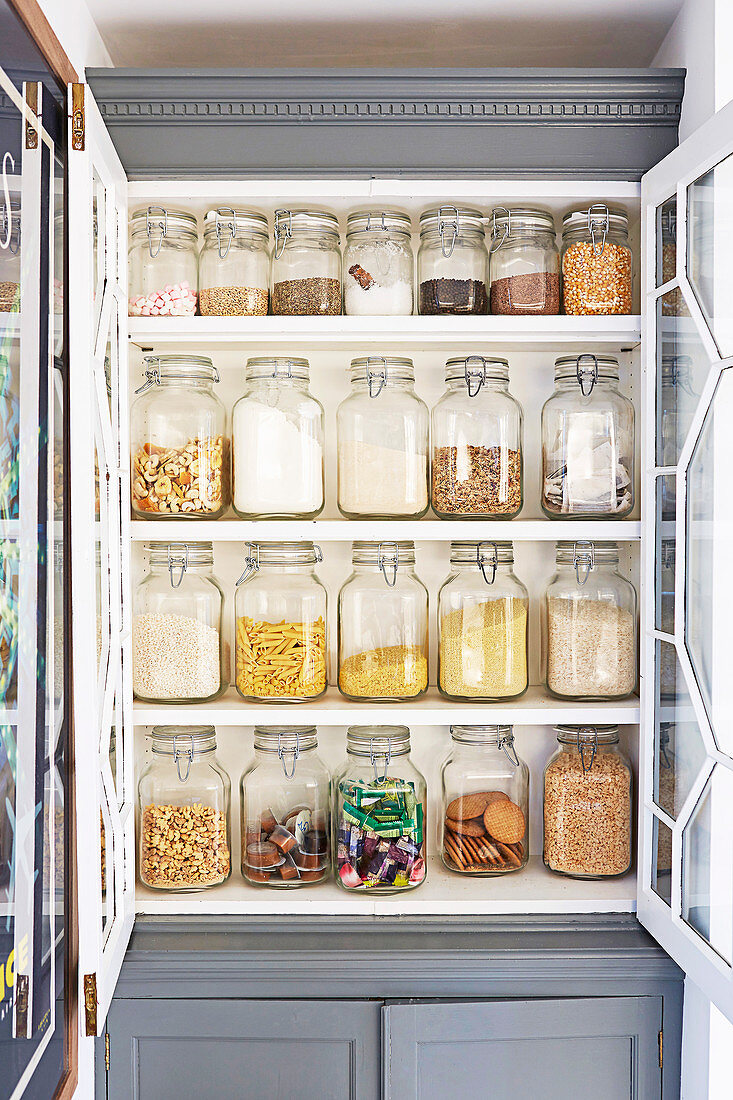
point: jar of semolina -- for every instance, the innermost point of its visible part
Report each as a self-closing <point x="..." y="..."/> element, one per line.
<point x="596" y="261"/>
<point x="234" y="268"/>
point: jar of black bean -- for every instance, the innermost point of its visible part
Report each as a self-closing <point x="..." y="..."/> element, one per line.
<point x="452" y="261"/>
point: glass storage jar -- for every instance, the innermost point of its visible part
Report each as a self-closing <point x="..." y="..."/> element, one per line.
<point x="379" y="813"/>
<point x="382" y="430"/>
<point x="524" y="262"/>
<point x="485" y="802"/>
<point x="177" y="640"/>
<point x="596" y="261"/>
<point x="10" y="444"/>
<point x="280" y="610"/>
<point x="452" y="261"/>
<point x="477" y="441"/>
<point x="180" y="452"/>
<point x="163" y="263"/>
<point x="587" y="804"/>
<point x="277" y="442"/>
<point x="587" y="441"/>
<point x="183" y="806"/>
<point x="378" y="264"/>
<point x="234" y="268"/>
<point x="286" y="806"/>
<point x="383" y="625"/>
<point x="589" y="624"/>
<point x="10" y="255"/>
<point x="482" y="624"/>
<point x="306" y="264"/>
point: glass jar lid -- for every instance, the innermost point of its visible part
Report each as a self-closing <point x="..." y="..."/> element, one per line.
<point x="262" y="554"/>
<point x="285" y="739"/>
<point x="482" y="735"/>
<point x="484" y="555"/>
<point x="378" y="221"/>
<point x="225" y="221"/>
<point x="280" y="367"/>
<point x="586" y="555"/>
<point x="379" y="553"/>
<point x="451" y="220"/>
<point x="677" y="371"/>
<point x="371" y="741"/>
<point x="379" y="371"/>
<point x="475" y="370"/>
<point x="586" y="740"/>
<point x="158" y="222"/>
<point x="177" y="368"/>
<point x="183" y="744"/>
<point x="178" y="556"/>
<point x="303" y="220"/>
<point x="597" y="220"/>
<point x="586" y="369"/>
<point x="508" y="221"/>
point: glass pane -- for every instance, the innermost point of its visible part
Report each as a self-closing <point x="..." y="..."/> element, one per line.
<point x="666" y="240"/>
<point x="662" y="860"/>
<point x="710" y="247"/>
<point x="664" y="561"/>
<point x="707" y="867"/>
<point x="679" y="754"/>
<point x="682" y="367"/>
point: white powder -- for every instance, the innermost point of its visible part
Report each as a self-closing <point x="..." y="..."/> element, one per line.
<point x="174" y="657"/>
<point x="378" y="301"/>
<point x="277" y="466"/>
<point x="381" y="480"/>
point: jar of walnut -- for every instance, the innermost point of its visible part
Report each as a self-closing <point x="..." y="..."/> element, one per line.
<point x="596" y="261"/>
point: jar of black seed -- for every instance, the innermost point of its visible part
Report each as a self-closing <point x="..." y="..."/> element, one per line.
<point x="452" y="262"/>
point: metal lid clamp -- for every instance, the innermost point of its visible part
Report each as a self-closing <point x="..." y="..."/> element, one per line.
<point x="584" y="560"/>
<point x="376" y="376"/>
<point x="251" y="565"/>
<point x="444" y="225"/>
<point x="586" y="734"/>
<point x="505" y="227"/>
<point x="177" y="560"/>
<point x="387" y="755"/>
<point x="388" y="557"/>
<point x="283" y="230"/>
<point x="505" y="741"/>
<point x="583" y="373"/>
<point x="598" y="223"/>
<point x="226" y="222"/>
<point x="477" y="377"/>
<point x="282" y="752"/>
<point x="490" y="560"/>
<point x="181" y="753"/>
<point x="156" y="218"/>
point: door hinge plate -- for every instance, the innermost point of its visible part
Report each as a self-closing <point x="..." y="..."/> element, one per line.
<point x="661" y="1047"/>
<point x="31" y="98"/>
<point x="106" y="1051"/>
<point x="22" y="987"/>
<point x="77" y="117"/>
<point x="90" y="1003"/>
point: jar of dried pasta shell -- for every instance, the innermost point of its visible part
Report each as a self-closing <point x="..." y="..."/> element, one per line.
<point x="596" y="261"/>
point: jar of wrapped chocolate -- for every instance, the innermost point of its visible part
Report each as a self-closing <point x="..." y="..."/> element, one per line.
<point x="286" y="807"/>
<point x="452" y="262"/>
<point x="379" y="808"/>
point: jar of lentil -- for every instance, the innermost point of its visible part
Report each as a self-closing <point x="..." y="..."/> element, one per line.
<point x="378" y="264"/>
<point x="180" y="451"/>
<point x="383" y="625"/>
<point x="163" y="263"/>
<point x="234" y="269"/>
<point x="596" y="261"/>
<point x="183" y="811"/>
<point x="477" y="441"/>
<point x="482" y="624"/>
<point x="452" y="261"/>
<point x="10" y="256"/>
<point x="524" y="262"/>
<point x="306" y="264"/>
<point x="485" y="802"/>
<point x="280" y="610"/>
<point x="379" y="812"/>
<point x="587" y="804"/>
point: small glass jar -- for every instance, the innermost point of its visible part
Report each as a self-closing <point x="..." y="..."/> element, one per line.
<point x="382" y="430"/>
<point x="482" y="624"/>
<point x="277" y="442"/>
<point x="10" y="444"/>
<point x="280" y="609"/>
<point x="589" y="624"/>
<point x="452" y="261"/>
<point x="286" y="807"/>
<point x="485" y="803"/>
<point x="183" y="806"/>
<point x="596" y="261"/>
<point x="587" y="441"/>
<point x="306" y="264"/>
<point x="180" y="451"/>
<point x="477" y="441"/>
<point x="163" y="263"/>
<point x="234" y="268"/>
<point x="524" y="261"/>
<point x="379" y="813"/>
<point x="587" y="804"/>
<point x="10" y="256"/>
<point x="378" y="264"/>
<point x="383" y="625"/>
<point x="177" y="638"/>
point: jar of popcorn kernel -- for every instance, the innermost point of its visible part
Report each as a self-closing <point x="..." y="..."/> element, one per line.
<point x="596" y="261"/>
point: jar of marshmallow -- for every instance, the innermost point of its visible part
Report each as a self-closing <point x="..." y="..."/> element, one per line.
<point x="163" y="263"/>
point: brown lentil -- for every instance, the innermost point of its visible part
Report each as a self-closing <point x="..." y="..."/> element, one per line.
<point x="477" y="480"/>
<point x="522" y="295"/>
<point x="307" y="297"/>
<point x="183" y="846"/>
<point x="391" y="671"/>
<point x="596" y="282"/>
<point x="233" y="301"/>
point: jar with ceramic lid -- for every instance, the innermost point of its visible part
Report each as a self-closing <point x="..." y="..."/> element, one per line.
<point x="163" y="263"/>
<point x="286" y="809"/>
<point x="10" y="255"/>
<point x="379" y="813"/>
<point x="234" y="268"/>
<point x="378" y="264"/>
<point x="524" y="262"/>
<point x="596" y="261"/>
<point x="452" y="261"/>
<point x="306" y="264"/>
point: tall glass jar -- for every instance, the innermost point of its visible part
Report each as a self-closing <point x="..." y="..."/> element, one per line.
<point x="524" y="261"/>
<point x="180" y="451"/>
<point x="163" y="263"/>
<point x="477" y="441"/>
<point x="234" y="269"/>
<point x="378" y="263"/>
<point x="587" y="441"/>
<point x="485" y="803"/>
<point x="183" y="811"/>
<point x="286" y="808"/>
<point x="379" y="813"/>
<point x="587" y="804"/>
<point x="10" y="446"/>
<point x="10" y="256"/>
<point x="383" y="625"/>
<point x="452" y="261"/>
<point x="177" y="635"/>
<point x="306" y="264"/>
<point x="382" y="430"/>
<point x="277" y="442"/>
<point x="596" y="261"/>
<point x="280" y="610"/>
<point x="482" y="624"/>
<point x="589" y="624"/>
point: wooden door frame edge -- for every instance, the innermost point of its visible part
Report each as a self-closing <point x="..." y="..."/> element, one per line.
<point x="43" y="35"/>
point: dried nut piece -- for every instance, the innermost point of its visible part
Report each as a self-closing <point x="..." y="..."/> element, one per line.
<point x="504" y="821"/>
<point x="183" y="847"/>
<point x="193" y="478"/>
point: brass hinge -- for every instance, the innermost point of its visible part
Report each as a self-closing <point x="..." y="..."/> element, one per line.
<point x="77" y="117"/>
<point x="22" y="986"/>
<point x="90" y="1003"/>
<point x="31" y="98"/>
<point x="661" y="1047"/>
<point x="106" y="1051"/>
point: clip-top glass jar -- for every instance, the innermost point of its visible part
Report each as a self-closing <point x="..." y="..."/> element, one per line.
<point x="379" y="813"/>
<point x="596" y="261"/>
<point x="234" y="269"/>
<point x="10" y="256"/>
<point x="587" y="441"/>
<point x="163" y="263"/>
<point x="524" y="262"/>
<point x="183" y="805"/>
<point x="180" y="452"/>
<point x="485" y="803"/>
<point x="277" y="442"/>
<point x="452" y="261"/>
<point x="587" y="804"/>
<point x="477" y="441"/>
<point x="378" y="264"/>
<point x="306" y="263"/>
<point x="286" y="808"/>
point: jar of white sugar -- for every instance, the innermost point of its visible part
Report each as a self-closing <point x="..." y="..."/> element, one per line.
<point x="378" y="264"/>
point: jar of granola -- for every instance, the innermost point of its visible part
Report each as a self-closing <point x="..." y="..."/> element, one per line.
<point x="596" y="261"/>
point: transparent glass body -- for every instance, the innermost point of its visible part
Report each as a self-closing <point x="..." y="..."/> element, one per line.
<point x="524" y="263"/>
<point x="378" y="264"/>
<point x="596" y="262"/>
<point x="10" y="451"/>
<point x="234" y="267"/>
<point x="306" y="264"/>
<point x="452" y="263"/>
<point x="163" y="263"/>
<point x="10" y="257"/>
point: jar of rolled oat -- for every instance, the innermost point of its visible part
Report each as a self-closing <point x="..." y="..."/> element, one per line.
<point x="306" y="264"/>
<point x="234" y="268"/>
<point x="10" y="256"/>
<point x="163" y="263"/>
<point x="180" y="452"/>
<point x="596" y="261"/>
<point x="452" y="261"/>
<point x="524" y="262"/>
<point x="587" y="804"/>
<point x="183" y="811"/>
<point x="378" y="263"/>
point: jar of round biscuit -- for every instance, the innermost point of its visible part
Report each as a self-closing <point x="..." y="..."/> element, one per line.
<point x="596" y="261"/>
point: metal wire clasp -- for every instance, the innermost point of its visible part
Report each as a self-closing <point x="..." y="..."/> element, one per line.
<point x="582" y="745"/>
<point x="283" y="230"/>
<point x="156" y="218"/>
<point x="282" y="752"/>
<point x="484" y="561"/>
<point x="581" y="373"/>
<point x="230" y="225"/>
<point x="505" y="742"/>
<point x="376" y="376"/>
<point x="251" y="563"/>
<point x="505" y="227"/>
<point x="381" y="225"/>
<point x="472" y="376"/>
<point x="388" y="557"/>
<point x="180" y="753"/>
<point x="598" y="224"/>
<point x="387" y="757"/>
<point x="152" y="375"/>
<point x="444" y="225"/>
<point x="584" y="560"/>
<point x="179" y="560"/>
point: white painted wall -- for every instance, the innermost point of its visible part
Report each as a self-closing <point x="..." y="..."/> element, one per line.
<point x="77" y="32"/>
<point x="690" y="43"/>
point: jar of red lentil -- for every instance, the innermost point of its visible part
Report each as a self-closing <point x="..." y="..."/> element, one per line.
<point x="596" y="261"/>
